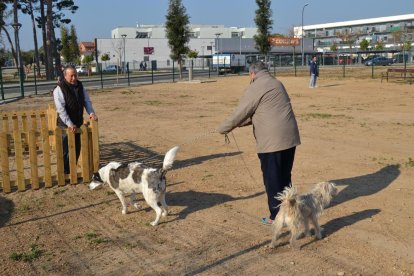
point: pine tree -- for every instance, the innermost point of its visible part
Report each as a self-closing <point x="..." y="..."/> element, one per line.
<point x="177" y="31"/>
<point x="73" y="44"/>
<point x="264" y="23"/>
<point x="64" y="40"/>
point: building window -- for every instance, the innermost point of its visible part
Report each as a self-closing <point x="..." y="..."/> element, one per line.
<point x="235" y="34"/>
<point x="141" y="35"/>
<point x="194" y="34"/>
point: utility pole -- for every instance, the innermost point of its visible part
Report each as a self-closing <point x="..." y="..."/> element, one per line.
<point x="303" y="54"/>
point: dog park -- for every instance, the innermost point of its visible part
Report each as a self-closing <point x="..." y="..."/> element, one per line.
<point x="355" y="132"/>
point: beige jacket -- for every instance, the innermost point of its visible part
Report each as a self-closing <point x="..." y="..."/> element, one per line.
<point x="266" y="105"/>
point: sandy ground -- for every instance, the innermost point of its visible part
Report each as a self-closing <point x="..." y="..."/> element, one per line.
<point x="357" y="133"/>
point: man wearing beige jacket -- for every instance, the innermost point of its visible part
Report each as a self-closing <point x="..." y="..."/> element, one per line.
<point x="266" y="105"/>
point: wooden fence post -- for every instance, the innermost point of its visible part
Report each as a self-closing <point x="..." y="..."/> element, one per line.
<point x="4" y="155"/>
<point x="18" y="151"/>
<point x="95" y="145"/>
<point x="46" y="152"/>
<point x="59" y="157"/>
<point x="85" y="153"/>
<point x="73" y="176"/>
<point x="33" y="160"/>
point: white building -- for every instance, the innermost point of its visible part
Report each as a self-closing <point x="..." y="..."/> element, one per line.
<point x="196" y="31"/>
<point x="381" y="29"/>
<point x="149" y="43"/>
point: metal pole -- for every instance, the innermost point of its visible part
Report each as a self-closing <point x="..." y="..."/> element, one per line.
<point x="152" y="74"/>
<point x="35" y="80"/>
<point x="1" y="83"/>
<point x="127" y="67"/>
<point x="100" y="71"/>
<point x="303" y="54"/>
<point x="173" y="72"/>
<point x="124" y="64"/>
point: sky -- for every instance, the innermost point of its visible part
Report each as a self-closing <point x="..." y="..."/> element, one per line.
<point x="96" y="18"/>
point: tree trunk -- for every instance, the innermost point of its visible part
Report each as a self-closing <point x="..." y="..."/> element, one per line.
<point x="180" y="66"/>
<point x="44" y="38"/>
<point x="49" y="42"/>
<point x="56" y="54"/>
<point x="35" y="40"/>
<point x="11" y="44"/>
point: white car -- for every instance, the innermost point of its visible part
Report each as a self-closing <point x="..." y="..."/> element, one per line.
<point x="81" y="69"/>
<point x="112" y="68"/>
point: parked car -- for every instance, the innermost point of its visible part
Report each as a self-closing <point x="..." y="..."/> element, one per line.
<point x="399" y="58"/>
<point x="112" y="69"/>
<point x="379" y="61"/>
<point x="80" y="69"/>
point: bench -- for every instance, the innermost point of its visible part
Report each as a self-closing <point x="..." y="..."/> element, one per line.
<point x="399" y="73"/>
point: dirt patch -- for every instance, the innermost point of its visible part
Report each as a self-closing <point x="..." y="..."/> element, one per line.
<point x="357" y="133"/>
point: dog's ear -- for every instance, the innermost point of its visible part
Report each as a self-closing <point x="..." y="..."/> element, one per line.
<point x="96" y="177"/>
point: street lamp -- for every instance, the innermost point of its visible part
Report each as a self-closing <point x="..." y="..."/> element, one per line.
<point x="217" y="52"/>
<point x="124" y="67"/>
<point x="303" y="54"/>
<point x="17" y="27"/>
<point x="218" y="44"/>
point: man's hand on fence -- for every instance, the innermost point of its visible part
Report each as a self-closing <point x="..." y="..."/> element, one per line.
<point x="93" y="117"/>
<point x="72" y="129"/>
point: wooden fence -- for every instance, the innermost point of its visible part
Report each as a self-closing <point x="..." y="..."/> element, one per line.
<point x="31" y="151"/>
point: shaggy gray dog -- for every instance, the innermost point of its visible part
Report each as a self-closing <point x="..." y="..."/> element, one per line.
<point x="296" y="210"/>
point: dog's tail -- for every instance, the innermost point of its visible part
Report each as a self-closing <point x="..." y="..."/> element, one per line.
<point x="288" y="197"/>
<point x="169" y="159"/>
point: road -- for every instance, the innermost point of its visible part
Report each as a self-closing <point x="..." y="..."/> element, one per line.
<point x="12" y="91"/>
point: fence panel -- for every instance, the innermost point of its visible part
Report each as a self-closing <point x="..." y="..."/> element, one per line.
<point x="31" y="151"/>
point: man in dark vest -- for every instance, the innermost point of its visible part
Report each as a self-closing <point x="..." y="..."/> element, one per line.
<point x="70" y="99"/>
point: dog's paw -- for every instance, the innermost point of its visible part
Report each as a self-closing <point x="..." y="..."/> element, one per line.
<point x="124" y="212"/>
<point x="136" y="205"/>
<point x="164" y="213"/>
<point x="154" y="223"/>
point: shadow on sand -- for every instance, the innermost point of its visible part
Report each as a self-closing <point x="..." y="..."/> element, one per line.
<point x="6" y="210"/>
<point x="129" y="152"/>
<point x="365" y="185"/>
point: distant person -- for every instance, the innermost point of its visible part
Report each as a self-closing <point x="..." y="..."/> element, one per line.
<point x="314" y="72"/>
<point x="71" y="98"/>
<point x="141" y="66"/>
<point x="266" y="105"/>
<point x="145" y="66"/>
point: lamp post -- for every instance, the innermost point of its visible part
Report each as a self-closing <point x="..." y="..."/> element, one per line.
<point x="218" y="44"/>
<point x="303" y="54"/>
<point x="240" y="46"/>
<point x="124" y="65"/>
<point x="202" y="53"/>
<point x="218" y="52"/>
<point x="17" y="27"/>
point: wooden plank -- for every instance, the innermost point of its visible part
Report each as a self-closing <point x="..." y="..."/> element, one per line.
<point x="59" y="157"/>
<point x="72" y="157"/>
<point x="34" y="174"/>
<point x="46" y="152"/>
<point x="18" y="151"/>
<point x="5" y="123"/>
<point x="85" y="154"/>
<point x="51" y="122"/>
<point x="4" y="156"/>
<point x="33" y="121"/>
<point x="95" y="145"/>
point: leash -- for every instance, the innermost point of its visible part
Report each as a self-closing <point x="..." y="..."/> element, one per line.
<point x="227" y="141"/>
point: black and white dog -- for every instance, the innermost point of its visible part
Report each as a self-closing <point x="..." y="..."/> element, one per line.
<point x="135" y="178"/>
